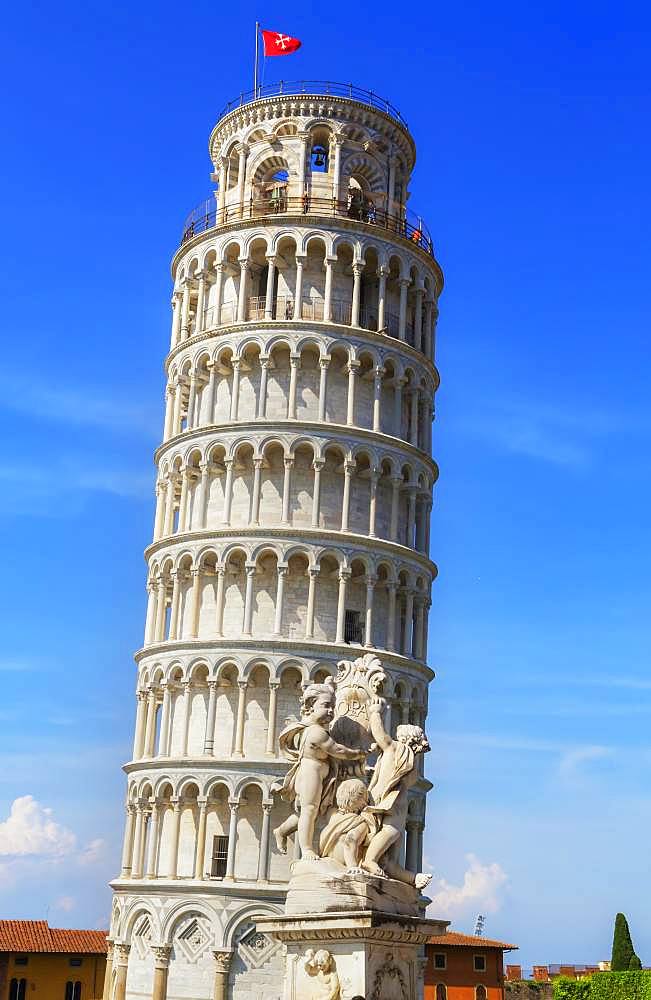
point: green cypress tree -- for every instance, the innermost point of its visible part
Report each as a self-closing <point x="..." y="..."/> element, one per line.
<point x="623" y="956"/>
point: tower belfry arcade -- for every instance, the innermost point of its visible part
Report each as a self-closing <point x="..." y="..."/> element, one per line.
<point x="293" y="498"/>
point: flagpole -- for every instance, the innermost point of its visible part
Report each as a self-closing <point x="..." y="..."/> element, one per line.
<point x="255" y="69"/>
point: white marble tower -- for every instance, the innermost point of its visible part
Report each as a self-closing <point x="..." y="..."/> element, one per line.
<point x="293" y="502"/>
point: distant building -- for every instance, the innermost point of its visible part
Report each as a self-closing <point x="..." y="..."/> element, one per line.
<point x="50" y="963"/>
<point x="547" y="973"/>
<point x="465" y="967"/>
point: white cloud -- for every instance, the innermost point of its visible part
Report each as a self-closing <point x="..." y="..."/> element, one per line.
<point x="92" y="852"/>
<point x="481" y="891"/>
<point x="571" y="762"/>
<point x="30" y="830"/>
<point x="65" y="903"/>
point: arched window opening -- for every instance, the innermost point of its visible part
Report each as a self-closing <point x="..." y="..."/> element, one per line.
<point x="360" y="204"/>
<point x="441" y="992"/>
<point x="319" y="159"/>
<point x="481" y="993"/>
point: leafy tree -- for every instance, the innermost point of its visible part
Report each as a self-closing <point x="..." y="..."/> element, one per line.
<point x="623" y="957"/>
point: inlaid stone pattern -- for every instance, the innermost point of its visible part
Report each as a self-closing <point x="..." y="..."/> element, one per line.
<point x="291" y="531"/>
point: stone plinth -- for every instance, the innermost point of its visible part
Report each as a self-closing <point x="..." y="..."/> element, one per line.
<point x="342" y="956"/>
<point x="316" y="886"/>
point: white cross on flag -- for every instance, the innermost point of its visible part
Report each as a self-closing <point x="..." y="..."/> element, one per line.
<point x="278" y="44"/>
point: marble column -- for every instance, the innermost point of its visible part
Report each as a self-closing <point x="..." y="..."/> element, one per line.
<point x="270" y="748"/>
<point x="353" y="367"/>
<point x="372" y="507"/>
<point x="382" y="274"/>
<point x="317" y="466"/>
<point x="402" y="320"/>
<point x="166" y="713"/>
<point x="232" y="839"/>
<point x="201" y="839"/>
<point x="209" y="736"/>
<point x="235" y="392"/>
<point x="349" y="468"/>
<point x="344" y="577"/>
<point x="324" y="364"/>
<point x="287" y="482"/>
<point x="261" y="410"/>
<point x="377" y="396"/>
<point x="358" y="267"/>
<point x="280" y="594"/>
<point x="219" y="617"/>
<point x="245" y="267"/>
<point x="269" y="297"/>
<point x="174" y="839"/>
<point x="313" y="574"/>
<point x="298" y="287"/>
<point x="152" y="859"/>
<point x="293" y="379"/>
<point x="370" y="591"/>
<point x="327" y="303"/>
<point x="161" y="966"/>
<point x="247" y="623"/>
<point x="263" y="857"/>
<point x="121" y="952"/>
<point x="239" y="725"/>
<point x="222" y="966"/>
<point x="127" y="846"/>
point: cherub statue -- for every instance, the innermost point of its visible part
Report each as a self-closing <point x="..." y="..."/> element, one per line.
<point x="320" y="966"/>
<point x="394" y="774"/>
<point x="350" y="828"/>
<point x="311" y="780"/>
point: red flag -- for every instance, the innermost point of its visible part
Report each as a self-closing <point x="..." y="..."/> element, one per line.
<point x="277" y="44"/>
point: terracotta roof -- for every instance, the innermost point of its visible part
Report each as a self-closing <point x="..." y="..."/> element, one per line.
<point x="36" y="935"/>
<point x="453" y="938"/>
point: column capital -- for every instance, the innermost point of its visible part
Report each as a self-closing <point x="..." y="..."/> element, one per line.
<point x="349" y="467"/>
<point x="274" y="685"/>
<point x="313" y="571"/>
<point x="281" y="569"/>
<point x="213" y="685"/>
<point x="294" y="360"/>
<point x="249" y="568"/>
<point x="358" y="267"/>
<point x="271" y="259"/>
<point x="242" y="685"/>
<point x="267" y="807"/>
<point x="161" y="953"/>
<point x="370" y="582"/>
<point x="318" y="464"/>
<point x="345" y="573"/>
<point x="223" y="960"/>
<point x="289" y="461"/>
<point x="383" y="271"/>
<point x="324" y="362"/>
<point x="234" y="805"/>
<point x="245" y="263"/>
<point x="122" y="949"/>
<point x="404" y="282"/>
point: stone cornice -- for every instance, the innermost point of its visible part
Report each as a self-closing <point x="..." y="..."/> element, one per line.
<point x="311" y="536"/>
<point x="237" y="767"/>
<point x="338" y="431"/>
<point x="287" y="648"/>
<point x="240" y="889"/>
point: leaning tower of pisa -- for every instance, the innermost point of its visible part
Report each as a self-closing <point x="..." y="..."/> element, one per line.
<point x="293" y="498"/>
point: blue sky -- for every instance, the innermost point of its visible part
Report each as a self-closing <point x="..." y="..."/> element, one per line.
<point x="533" y="149"/>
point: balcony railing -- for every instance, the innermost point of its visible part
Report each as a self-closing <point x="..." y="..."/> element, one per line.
<point x="207" y="216"/>
<point x="312" y="310"/>
<point x="318" y="87"/>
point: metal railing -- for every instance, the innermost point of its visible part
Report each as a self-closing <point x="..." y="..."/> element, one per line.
<point x="312" y="310"/>
<point x="207" y="216"/>
<point x="316" y="87"/>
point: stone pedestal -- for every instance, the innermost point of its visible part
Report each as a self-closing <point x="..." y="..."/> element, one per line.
<point x="323" y="884"/>
<point x="366" y="954"/>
